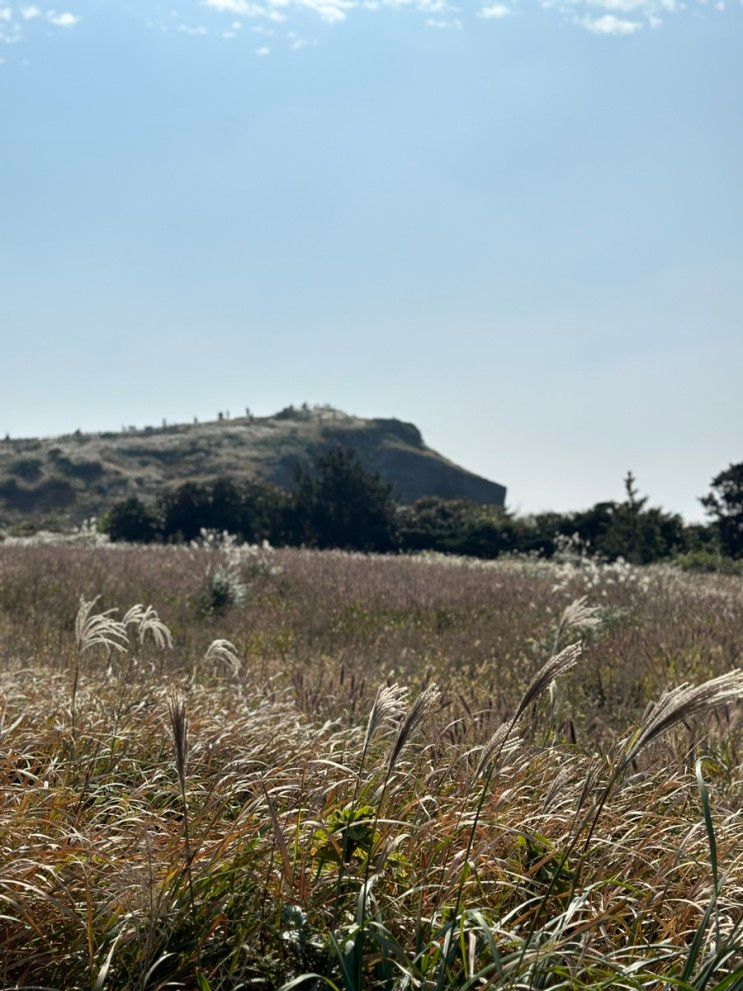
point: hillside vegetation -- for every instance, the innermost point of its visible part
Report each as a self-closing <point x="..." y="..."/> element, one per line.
<point x="71" y="478"/>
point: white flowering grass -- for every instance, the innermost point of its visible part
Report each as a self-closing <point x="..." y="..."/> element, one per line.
<point x="360" y="774"/>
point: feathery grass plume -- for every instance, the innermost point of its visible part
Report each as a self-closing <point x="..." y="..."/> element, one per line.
<point x="555" y="667"/>
<point x="146" y="620"/>
<point x="561" y="779"/>
<point x="93" y="630"/>
<point x="578" y="616"/>
<point x="387" y="710"/>
<point x="494" y="747"/>
<point x="678" y="704"/>
<point x="179" y="728"/>
<point x="98" y="629"/>
<point x="416" y="714"/>
<point x="224" y="652"/>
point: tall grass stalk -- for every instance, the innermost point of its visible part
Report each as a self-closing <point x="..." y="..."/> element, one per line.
<point x="554" y="668"/>
<point x="179" y="729"/>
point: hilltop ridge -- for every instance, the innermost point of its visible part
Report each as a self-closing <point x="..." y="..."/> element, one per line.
<point x="75" y="476"/>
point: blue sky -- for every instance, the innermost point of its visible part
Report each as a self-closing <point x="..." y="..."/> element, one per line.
<point x="518" y="225"/>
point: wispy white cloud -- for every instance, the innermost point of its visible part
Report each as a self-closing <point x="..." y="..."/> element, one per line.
<point x="64" y="20"/>
<point x="246" y="8"/>
<point x="16" y="22"/>
<point x="494" y="12"/>
<point x="328" y="11"/>
<point x="225" y="19"/>
<point x="615" y="27"/>
<point x="620" y="18"/>
<point x="10" y="30"/>
<point x="610" y="18"/>
<point x="618" y="6"/>
<point x="239" y="8"/>
<point x="296" y="41"/>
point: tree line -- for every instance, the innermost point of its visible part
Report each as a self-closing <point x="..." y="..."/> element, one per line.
<point x="339" y="503"/>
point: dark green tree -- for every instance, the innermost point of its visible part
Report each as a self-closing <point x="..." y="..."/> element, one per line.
<point x="131" y="520"/>
<point x="342" y="504"/>
<point x="590" y="525"/>
<point x="724" y="504"/>
<point x="628" y="529"/>
<point x="226" y="506"/>
<point x="268" y="514"/>
<point x="456" y="526"/>
<point x="185" y="511"/>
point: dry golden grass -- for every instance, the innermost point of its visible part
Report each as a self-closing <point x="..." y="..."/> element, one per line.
<point x="255" y="810"/>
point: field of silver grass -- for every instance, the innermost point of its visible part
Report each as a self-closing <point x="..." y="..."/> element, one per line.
<point x="229" y="767"/>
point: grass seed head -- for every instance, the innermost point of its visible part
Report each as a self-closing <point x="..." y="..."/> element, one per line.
<point x="387" y="710"/>
<point x="681" y="703"/>
<point x="98" y="629"/>
<point x="179" y="728"/>
<point x="495" y="747"/>
<point x="147" y="621"/>
<point x="549" y="672"/>
<point x="580" y="617"/>
<point x="224" y="652"/>
<point x="416" y="714"/>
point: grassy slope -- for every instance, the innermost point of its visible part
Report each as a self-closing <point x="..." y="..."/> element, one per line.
<point x="76" y="476"/>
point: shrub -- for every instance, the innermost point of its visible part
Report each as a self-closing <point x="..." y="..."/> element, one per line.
<point x="132" y="521"/>
<point x="28" y="469"/>
<point x="456" y="527"/>
<point x="185" y="512"/>
<point x="221" y="589"/>
<point x="709" y="560"/>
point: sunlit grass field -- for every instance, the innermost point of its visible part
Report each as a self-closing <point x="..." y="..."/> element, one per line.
<point x="366" y="772"/>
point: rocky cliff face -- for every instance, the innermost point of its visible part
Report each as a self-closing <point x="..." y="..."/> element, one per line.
<point x="79" y="475"/>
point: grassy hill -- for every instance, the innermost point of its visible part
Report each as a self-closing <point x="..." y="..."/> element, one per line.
<point x="73" y="477"/>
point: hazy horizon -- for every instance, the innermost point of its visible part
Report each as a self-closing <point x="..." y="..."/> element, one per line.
<point x="517" y="225"/>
